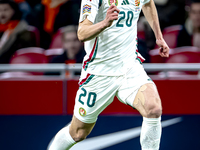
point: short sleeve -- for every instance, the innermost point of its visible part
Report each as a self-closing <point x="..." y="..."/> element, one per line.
<point x="89" y="9"/>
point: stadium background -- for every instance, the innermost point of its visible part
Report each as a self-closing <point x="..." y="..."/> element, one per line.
<point x="33" y="110"/>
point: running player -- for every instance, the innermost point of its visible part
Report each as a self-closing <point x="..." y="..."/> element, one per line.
<point x="112" y="67"/>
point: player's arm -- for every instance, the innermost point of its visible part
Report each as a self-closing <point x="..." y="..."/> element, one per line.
<point x="87" y="30"/>
<point x="150" y="12"/>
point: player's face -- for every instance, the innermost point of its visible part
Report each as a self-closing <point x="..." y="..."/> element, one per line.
<point x="195" y="14"/>
<point x="6" y="13"/>
<point x="71" y="43"/>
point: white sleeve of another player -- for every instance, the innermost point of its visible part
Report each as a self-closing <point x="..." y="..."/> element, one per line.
<point x="89" y="9"/>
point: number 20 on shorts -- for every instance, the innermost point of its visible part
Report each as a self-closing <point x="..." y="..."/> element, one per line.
<point x="90" y="100"/>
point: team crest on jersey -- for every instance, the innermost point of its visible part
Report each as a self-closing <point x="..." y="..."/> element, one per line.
<point x="115" y="2"/>
<point x="86" y="9"/>
<point x="82" y="111"/>
<point x="137" y="2"/>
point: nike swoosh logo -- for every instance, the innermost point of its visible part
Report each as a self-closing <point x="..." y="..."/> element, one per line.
<point x="108" y="140"/>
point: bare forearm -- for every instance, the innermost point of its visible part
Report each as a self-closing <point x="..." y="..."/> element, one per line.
<point x="88" y="31"/>
<point x="151" y="15"/>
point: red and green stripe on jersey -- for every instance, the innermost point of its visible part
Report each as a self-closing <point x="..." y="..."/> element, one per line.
<point x="86" y="80"/>
<point x="139" y="57"/>
<point x="92" y="55"/>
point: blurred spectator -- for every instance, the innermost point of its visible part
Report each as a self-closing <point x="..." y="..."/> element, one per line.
<point x="73" y="48"/>
<point x="171" y="12"/>
<point x="32" y="3"/>
<point x="24" y="7"/>
<point x="50" y="15"/>
<point x="190" y="33"/>
<point x="13" y="32"/>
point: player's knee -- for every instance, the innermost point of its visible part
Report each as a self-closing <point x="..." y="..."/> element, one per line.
<point x="79" y="136"/>
<point x="154" y="111"/>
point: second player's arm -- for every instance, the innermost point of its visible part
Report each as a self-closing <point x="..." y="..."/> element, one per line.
<point x="87" y="30"/>
<point x="151" y="15"/>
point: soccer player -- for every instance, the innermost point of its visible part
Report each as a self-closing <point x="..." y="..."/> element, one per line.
<point x="112" y="67"/>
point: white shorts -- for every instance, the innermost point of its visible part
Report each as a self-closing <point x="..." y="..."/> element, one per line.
<point x="97" y="92"/>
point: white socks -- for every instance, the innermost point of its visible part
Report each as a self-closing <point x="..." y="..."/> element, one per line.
<point x="149" y="138"/>
<point x="151" y="133"/>
<point x="62" y="140"/>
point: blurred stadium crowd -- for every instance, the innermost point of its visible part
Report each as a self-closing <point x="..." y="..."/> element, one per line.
<point x="44" y="31"/>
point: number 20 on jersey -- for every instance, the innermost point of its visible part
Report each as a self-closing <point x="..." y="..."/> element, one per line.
<point x="127" y="16"/>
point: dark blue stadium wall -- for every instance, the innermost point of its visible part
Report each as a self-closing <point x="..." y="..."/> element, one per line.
<point x="35" y="132"/>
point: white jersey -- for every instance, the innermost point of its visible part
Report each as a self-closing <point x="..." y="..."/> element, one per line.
<point x="114" y="50"/>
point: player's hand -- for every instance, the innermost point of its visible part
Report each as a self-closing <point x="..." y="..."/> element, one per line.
<point x="111" y="15"/>
<point x="164" y="49"/>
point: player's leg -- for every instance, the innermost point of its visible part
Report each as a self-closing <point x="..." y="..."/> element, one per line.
<point x="75" y="132"/>
<point x="80" y="130"/>
<point x="90" y="102"/>
<point x="148" y="103"/>
<point x="139" y="91"/>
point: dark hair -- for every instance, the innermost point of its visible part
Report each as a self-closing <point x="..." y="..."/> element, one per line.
<point x="18" y="14"/>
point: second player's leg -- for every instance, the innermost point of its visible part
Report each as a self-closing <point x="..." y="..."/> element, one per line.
<point x="79" y="130"/>
<point x="147" y="101"/>
<point x="74" y="132"/>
